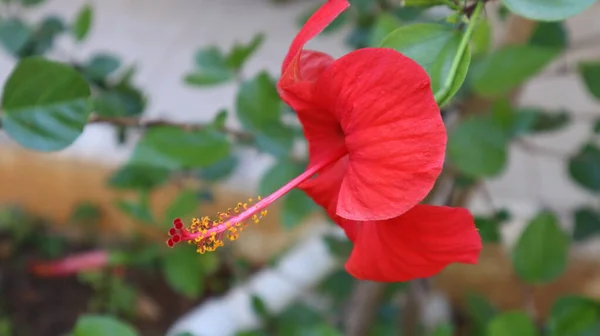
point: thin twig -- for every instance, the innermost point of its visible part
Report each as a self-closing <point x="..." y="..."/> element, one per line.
<point x="535" y="149"/>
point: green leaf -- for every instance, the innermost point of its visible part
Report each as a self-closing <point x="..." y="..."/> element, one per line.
<point x="540" y="254"/>
<point x="383" y="26"/>
<point x="537" y="120"/>
<point x="278" y="175"/>
<point x="550" y="34"/>
<point x="296" y="207"/>
<point x="574" y="316"/>
<point x="590" y="73"/>
<point x="99" y="325"/>
<point x="339" y="247"/>
<point x="506" y="68"/>
<point x="184" y="205"/>
<point x="31" y="3"/>
<point x="83" y="23"/>
<point x="584" y="167"/>
<point x="481" y="40"/>
<point x="173" y="148"/>
<point x="45" y="35"/>
<point x="219" y="170"/>
<point x="597" y="126"/>
<point x="14" y="35"/>
<point x="260" y="308"/>
<point x="101" y="65"/>
<point x="138" y="210"/>
<point x="443" y="65"/>
<point x="120" y="101"/>
<point x="547" y="10"/>
<point x="184" y="271"/>
<point x="337" y="286"/>
<point x="211" y="68"/>
<point x="489" y="229"/>
<point x="512" y="324"/>
<point x="138" y="177"/>
<point x="587" y="223"/>
<point x="241" y="52"/>
<point x="433" y="46"/>
<point x="480" y="312"/>
<point x="478" y="147"/>
<point x="444" y="329"/>
<point x="259" y="109"/>
<point x="45" y="104"/>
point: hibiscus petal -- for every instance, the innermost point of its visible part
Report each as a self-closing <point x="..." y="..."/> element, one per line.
<point x="393" y="131"/>
<point x="418" y="244"/>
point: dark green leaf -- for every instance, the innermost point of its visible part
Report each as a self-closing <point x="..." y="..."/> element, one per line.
<point x="550" y="34"/>
<point x="590" y="73"/>
<point x="99" y="325"/>
<point x="512" y="324"/>
<point x="31" y="3"/>
<point x="540" y="254"/>
<point x="45" y="104"/>
<point x="440" y="70"/>
<point x="183" y="206"/>
<point x="241" y="52"/>
<point x="219" y="170"/>
<point x="296" y="207"/>
<point x="504" y="69"/>
<point x="45" y="35"/>
<point x="339" y="247"/>
<point x="489" y="229"/>
<point x="587" y="223"/>
<point x="574" y="316"/>
<point x="296" y="320"/>
<point x="478" y="147"/>
<point x="14" y="35"/>
<point x="120" y="101"/>
<point x="480" y="312"/>
<point x="173" y="148"/>
<point x="597" y="126"/>
<point x="547" y="10"/>
<point x="184" y="271"/>
<point x="211" y="68"/>
<point x="584" y="167"/>
<point x="101" y="65"/>
<point x="537" y="120"/>
<point x="338" y="285"/>
<point x="138" y="177"/>
<point x="220" y="119"/>
<point x="83" y="23"/>
<point x="260" y="308"/>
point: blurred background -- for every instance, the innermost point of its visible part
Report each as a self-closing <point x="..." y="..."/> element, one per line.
<point x="523" y="157"/>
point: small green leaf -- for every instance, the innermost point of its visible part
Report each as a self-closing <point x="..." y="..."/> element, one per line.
<point x="83" y="23"/>
<point x="337" y="286"/>
<point x="296" y="207"/>
<point x="45" y="104"/>
<point x="537" y="120"/>
<point x="138" y="177"/>
<point x="184" y="205"/>
<point x="101" y="65"/>
<point x="99" y="325"/>
<point x="574" y="316"/>
<point x="339" y="247"/>
<point x="45" y="34"/>
<point x="173" y="148"/>
<point x="137" y="210"/>
<point x="260" y="308"/>
<point x="15" y="34"/>
<point x="504" y="69"/>
<point x="120" y="101"/>
<point x="184" y="271"/>
<point x="211" y="68"/>
<point x="478" y="147"/>
<point x="587" y="223"/>
<point x="221" y="119"/>
<point x="219" y="170"/>
<point x="481" y="40"/>
<point x="241" y="52"/>
<point x="383" y="26"/>
<point x="540" y="254"/>
<point x="480" y="312"/>
<point x="550" y="34"/>
<point x="597" y="126"/>
<point x="489" y="229"/>
<point x="584" y="167"/>
<point x="547" y="10"/>
<point x="590" y="73"/>
<point x="512" y="324"/>
<point x="31" y="3"/>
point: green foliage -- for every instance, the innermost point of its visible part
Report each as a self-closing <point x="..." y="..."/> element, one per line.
<point x="101" y="65"/>
<point x="99" y="325"/>
<point x="540" y="254"/>
<point x="584" y="167"/>
<point x="83" y="23"/>
<point x="186" y="271"/>
<point x="489" y="226"/>
<point x="45" y="104"/>
<point x="587" y="223"/>
<point x="550" y="34"/>
<point x="510" y="324"/>
<point x="14" y="35"/>
<point x="480" y="312"/>
<point x="590" y="73"/>
<point x="138" y="177"/>
<point x="574" y="316"/>
<point x="185" y="204"/>
<point x="547" y="10"/>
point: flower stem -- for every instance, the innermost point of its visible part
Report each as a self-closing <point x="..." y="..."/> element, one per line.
<point x="442" y="96"/>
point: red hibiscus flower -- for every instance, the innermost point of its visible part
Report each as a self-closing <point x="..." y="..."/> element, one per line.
<point x="376" y="146"/>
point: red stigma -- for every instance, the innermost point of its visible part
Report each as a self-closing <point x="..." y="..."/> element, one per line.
<point x="177" y="224"/>
<point x="176" y="238"/>
<point x="170" y="243"/>
<point x="172" y="232"/>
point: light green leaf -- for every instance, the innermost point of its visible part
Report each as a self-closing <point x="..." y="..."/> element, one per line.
<point x="241" y="52"/>
<point x="219" y="170"/>
<point x="99" y="325"/>
<point x="278" y="175"/>
<point x="45" y="104"/>
<point x="481" y="40"/>
<point x="587" y="223"/>
<point x="584" y="167"/>
<point x="174" y="148"/>
<point x="14" y="35"/>
<point x="478" y="147"/>
<point x="296" y="207"/>
<point x="184" y="271"/>
<point x="540" y="254"/>
<point x="184" y="205"/>
<point x="384" y="25"/>
<point x="547" y="10"/>
<point x="512" y="324"/>
<point x="83" y="23"/>
<point x="504" y="69"/>
<point x="101" y="65"/>
<point x="574" y="316"/>
<point x="120" y="101"/>
<point x="590" y="73"/>
<point x="138" y="177"/>
<point x="211" y="68"/>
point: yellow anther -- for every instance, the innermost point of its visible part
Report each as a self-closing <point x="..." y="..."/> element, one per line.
<point x="259" y="198"/>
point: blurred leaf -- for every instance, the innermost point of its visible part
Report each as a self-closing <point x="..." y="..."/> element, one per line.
<point x="219" y="170"/>
<point x="480" y="312"/>
<point x="384" y="25"/>
<point x="98" y="325"/>
<point x="540" y="254"/>
<point x="14" y="35"/>
<point x="338" y="285"/>
<point x="338" y="246"/>
<point x="173" y="148"/>
<point x="597" y="126"/>
<point x="31" y="3"/>
<point x="278" y="175"/>
<point x="545" y="10"/>
<point x="252" y="333"/>
<point x="135" y="209"/>
<point x="584" y="167"/>
<point x="221" y="119"/>
<point x="101" y="65"/>
<point x="45" y="104"/>
<point x="550" y="34"/>
<point x="423" y="3"/>
<point x="590" y="73"/>
<point x="138" y="177"/>
<point x="183" y="206"/>
<point x="211" y="68"/>
<point x="502" y="70"/>
<point x="297" y="320"/>
<point x="489" y="229"/>
<point x="478" y="147"/>
<point x="260" y="308"/>
<point x="574" y="316"/>
<point x="184" y="272"/>
<point x="587" y="223"/>
<point x="481" y="40"/>
<point x="512" y="324"/>
<point x="120" y="101"/>
<point x="259" y="109"/>
<point x="296" y="207"/>
<point x="45" y="35"/>
<point x="323" y="329"/>
<point x="85" y="212"/>
<point x="241" y="52"/>
<point x="83" y="23"/>
<point x="444" y="329"/>
<point x="528" y="120"/>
